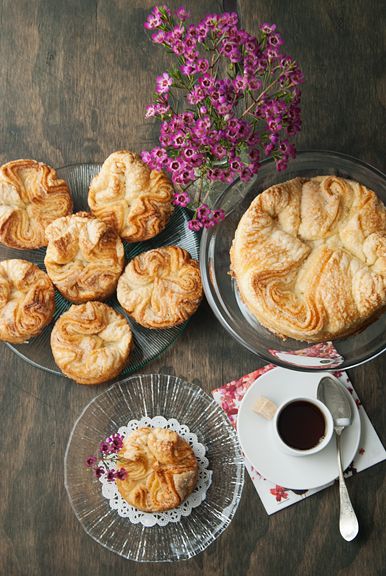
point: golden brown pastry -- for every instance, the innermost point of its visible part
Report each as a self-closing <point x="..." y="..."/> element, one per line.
<point x="161" y="288"/>
<point x="91" y="343"/>
<point x="31" y="196"/>
<point x="84" y="258"/>
<point x="133" y="199"/>
<point x="309" y="257"/>
<point x="161" y="467"/>
<point x="27" y="300"/>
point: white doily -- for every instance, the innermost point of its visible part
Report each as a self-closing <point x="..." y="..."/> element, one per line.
<point x="111" y="492"/>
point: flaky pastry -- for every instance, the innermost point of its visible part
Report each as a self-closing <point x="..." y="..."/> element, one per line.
<point x="309" y="257"/>
<point x="161" y="288"/>
<point x="130" y="197"/>
<point x="27" y="300"/>
<point x="84" y="258"/>
<point x="31" y="196"/>
<point x="161" y="468"/>
<point x="91" y="343"/>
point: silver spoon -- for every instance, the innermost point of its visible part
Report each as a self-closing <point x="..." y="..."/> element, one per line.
<point x="331" y="393"/>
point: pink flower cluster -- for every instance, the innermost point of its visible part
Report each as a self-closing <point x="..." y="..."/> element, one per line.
<point x="242" y="101"/>
<point x="108" y="450"/>
<point x="205" y="218"/>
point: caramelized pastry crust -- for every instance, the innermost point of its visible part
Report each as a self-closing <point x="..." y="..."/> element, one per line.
<point x="309" y="257"/>
<point x="161" y="288"/>
<point x="27" y="300"/>
<point x="91" y="343"/>
<point x="161" y="467"/>
<point x="84" y="258"/>
<point x="31" y="196"/>
<point x="130" y="197"/>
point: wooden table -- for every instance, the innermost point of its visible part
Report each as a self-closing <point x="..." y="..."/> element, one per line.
<point x="75" y="77"/>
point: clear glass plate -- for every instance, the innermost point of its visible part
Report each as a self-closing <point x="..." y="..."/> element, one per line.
<point x="221" y="290"/>
<point x="152" y="395"/>
<point x="148" y="344"/>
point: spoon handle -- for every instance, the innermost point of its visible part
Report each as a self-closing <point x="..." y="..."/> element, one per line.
<point x="348" y="522"/>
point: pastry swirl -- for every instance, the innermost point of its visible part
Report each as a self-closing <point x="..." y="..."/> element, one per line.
<point x="133" y="199"/>
<point x="161" y="468"/>
<point x="31" y="197"/>
<point x="309" y="257"/>
<point x="27" y="300"/>
<point x="91" y="343"/>
<point x="161" y="288"/>
<point x="84" y="258"/>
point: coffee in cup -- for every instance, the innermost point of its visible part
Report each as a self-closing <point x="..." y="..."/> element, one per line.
<point x="302" y="426"/>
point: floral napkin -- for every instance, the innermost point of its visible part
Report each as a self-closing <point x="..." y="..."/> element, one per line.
<point x="274" y="497"/>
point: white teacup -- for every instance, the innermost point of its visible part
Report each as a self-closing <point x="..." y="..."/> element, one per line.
<point x="285" y="434"/>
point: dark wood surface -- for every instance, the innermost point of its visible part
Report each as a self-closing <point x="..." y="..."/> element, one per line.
<point x="75" y="76"/>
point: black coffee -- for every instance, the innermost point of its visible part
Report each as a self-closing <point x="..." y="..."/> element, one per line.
<point x="301" y="425"/>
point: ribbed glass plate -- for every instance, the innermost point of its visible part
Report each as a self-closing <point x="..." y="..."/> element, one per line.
<point x="152" y="395"/>
<point x="148" y="344"/>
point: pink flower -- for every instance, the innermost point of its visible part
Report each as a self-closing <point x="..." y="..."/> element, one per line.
<point x="202" y="65"/>
<point x="203" y="212"/>
<point x="116" y="442"/>
<point x="206" y="81"/>
<point x="181" y="199"/>
<point x="240" y="83"/>
<point x="267" y="28"/>
<point x="281" y="164"/>
<point x="146" y="157"/>
<point x="110" y="475"/>
<point x="159" y="37"/>
<point x="182" y="14"/>
<point x="90" y="461"/>
<point x="218" y="215"/>
<point x="163" y="83"/>
<point x="195" y="96"/>
<point x="99" y="471"/>
<point x="152" y="22"/>
<point x="179" y="139"/>
<point x="176" y="164"/>
<point x="254" y="83"/>
<point x="246" y="174"/>
<point x="188" y="69"/>
<point x="121" y="474"/>
<point x="104" y="447"/>
<point x="150" y="111"/>
<point x="194" y="225"/>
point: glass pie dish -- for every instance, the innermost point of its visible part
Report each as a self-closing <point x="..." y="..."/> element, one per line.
<point x="221" y="289"/>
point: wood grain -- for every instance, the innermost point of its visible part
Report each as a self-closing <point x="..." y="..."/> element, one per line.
<point x="74" y="81"/>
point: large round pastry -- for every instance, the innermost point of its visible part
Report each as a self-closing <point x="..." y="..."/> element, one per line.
<point x="161" y="468"/>
<point x="31" y="197"/>
<point x="309" y="258"/>
<point x="27" y="300"/>
<point x="91" y="343"/>
<point x="130" y="197"/>
<point x="161" y="288"/>
<point x="84" y="258"/>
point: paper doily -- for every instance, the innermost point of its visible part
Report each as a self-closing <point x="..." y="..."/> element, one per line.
<point x="148" y="519"/>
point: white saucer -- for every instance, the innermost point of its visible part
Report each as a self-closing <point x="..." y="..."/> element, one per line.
<point x="257" y="439"/>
